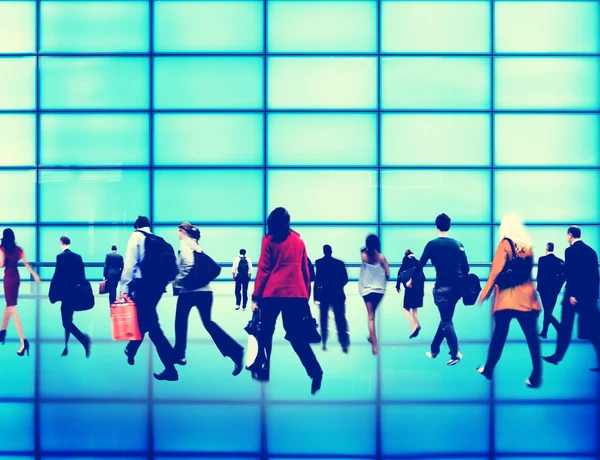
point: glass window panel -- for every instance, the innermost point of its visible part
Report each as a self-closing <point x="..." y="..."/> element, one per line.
<point x="17" y="27"/>
<point x="320" y="426"/>
<point x="217" y="196"/>
<point x="322" y="83"/>
<point x="547" y="83"/>
<point x="208" y="139"/>
<point x="95" y="322"/>
<point x="469" y="419"/>
<point x="346" y="242"/>
<point x="327" y="196"/>
<point x="94" y="83"/>
<point x="20" y="381"/>
<point x="397" y="239"/>
<point x="91" y="243"/>
<point x="208" y="83"/>
<point x="20" y="187"/>
<point x="90" y="430"/>
<point x="180" y="428"/>
<point x="569" y="196"/>
<point x="322" y="139"/>
<point x="435" y="83"/>
<point x="18" y="140"/>
<point x="547" y="27"/>
<point x="16" y="427"/>
<point x="435" y="27"/>
<point x="208" y="26"/>
<point x="324" y="26"/>
<point x="419" y="196"/>
<point x="416" y="139"/>
<point x="94" y="140"/>
<point x="94" y="27"/>
<point x="547" y="140"/>
<point x="574" y="434"/>
<point x="17" y="83"/>
<point x="93" y="195"/>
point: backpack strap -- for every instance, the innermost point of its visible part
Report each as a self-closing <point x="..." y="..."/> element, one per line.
<point x="512" y="247"/>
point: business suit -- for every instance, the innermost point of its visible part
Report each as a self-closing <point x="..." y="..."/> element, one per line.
<point x="113" y="267"/>
<point x="550" y="279"/>
<point x="583" y="283"/>
<point x="330" y="278"/>
<point x="69" y="272"/>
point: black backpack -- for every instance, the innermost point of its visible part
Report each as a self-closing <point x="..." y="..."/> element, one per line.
<point x="159" y="266"/>
<point x="204" y="271"/>
<point x="243" y="267"/>
<point x="516" y="271"/>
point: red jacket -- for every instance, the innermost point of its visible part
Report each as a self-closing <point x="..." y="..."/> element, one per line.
<point x="282" y="269"/>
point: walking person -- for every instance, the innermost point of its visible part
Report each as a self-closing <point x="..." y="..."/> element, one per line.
<point x="372" y="282"/>
<point x="330" y="278"/>
<point x="69" y="273"/>
<point x="514" y="297"/>
<point x="202" y="299"/>
<point x="241" y="273"/>
<point x="449" y="258"/>
<point x="282" y="285"/>
<point x="413" y="297"/>
<point x="581" y="297"/>
<point x="550" y="280"/>
<point x="10" y="255"/>
<point x="150" y="264"/>
<point x="113" y="269"/>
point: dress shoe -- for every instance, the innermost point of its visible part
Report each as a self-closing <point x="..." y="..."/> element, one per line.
<point x="88" y="346"/>
<point x="595" y="369"/>
<point x="481" y="370"/>
<point x="316" y="383"/>
<point x="169" y="376"/>
<point x="239" y="364"/>
<point x="65" y="352"/>
<point x="550" y="359"/>
<point x="543" y="335"/>
<point x="532" y="385"/>
<point x="130" y="358"/>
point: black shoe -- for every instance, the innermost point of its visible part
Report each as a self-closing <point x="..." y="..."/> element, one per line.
<point x="543" y="335"/>
<point x="316" y="383"/>
<point x="179" y="361"/>
<point x="25" y="348"/>
<point x="169" y="376"/>
<point x="533" y="385"/>
<point x="481" y="370"/>
<point x="237" y="307"/>
<point x="88" y="346"/>
<point x="551" y="359"/>
<point x="595" y="369"/>
<point x="345" y="350"/>
<point x="65" y="352"/>
<point x="2" y="336"/>
<point x="130" y="358"/>
<point x="416" y="333"/>
<point x="239" y="364"/>
<point x="324" y="347"/>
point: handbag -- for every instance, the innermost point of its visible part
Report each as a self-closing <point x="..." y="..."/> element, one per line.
<point x="102" y="288"/>
<point x="83" y="296"/>
<point x="308" y="327"/>
<point x="204" y="271"/>
<point x="124" y="320"/>
<point x="470" y="289"/>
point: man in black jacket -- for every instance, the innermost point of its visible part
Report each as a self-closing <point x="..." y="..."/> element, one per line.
<point x="550" y="279"/>
<point x="581" y="297"/>
<point x="330" y="278"/>
<point x="70" y="272"/>
<point x="113" y="267"/>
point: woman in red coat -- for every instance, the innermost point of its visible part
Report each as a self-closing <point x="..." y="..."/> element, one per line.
<point x="282" y="285"/>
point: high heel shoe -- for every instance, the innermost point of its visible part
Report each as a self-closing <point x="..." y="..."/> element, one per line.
<point x="25" y="348"/>
<point x="2" y="336"/>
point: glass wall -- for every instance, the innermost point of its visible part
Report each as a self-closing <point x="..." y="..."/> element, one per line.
<point x="358" y="116"/>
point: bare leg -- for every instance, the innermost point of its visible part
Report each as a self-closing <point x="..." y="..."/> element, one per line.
<point x="411" y="321"/>
<point x="371" y="322"/>
<point x="18" y="326"/>
<point x="5" y="318"/>
<point x="415" y="313"/>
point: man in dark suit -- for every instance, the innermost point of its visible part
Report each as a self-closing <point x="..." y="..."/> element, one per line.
<point x="70" y="272"/>
<point x="581" y="297"/>
<point x="113" y="267"/>
<point x="550" y="279"/>
<point x="330" y="278"/>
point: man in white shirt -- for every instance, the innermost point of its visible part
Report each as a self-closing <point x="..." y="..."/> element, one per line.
<point x="241" y="274"/>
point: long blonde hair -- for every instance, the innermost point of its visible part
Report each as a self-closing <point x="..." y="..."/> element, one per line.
<point x="512" y="227"/>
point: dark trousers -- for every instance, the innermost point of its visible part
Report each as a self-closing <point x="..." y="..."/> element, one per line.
<point x="66" y="314"/>
<point x="445" y="299"/>
<point x="589" y="327"/>
<point x="293" y="310"/>
<point x="528" y="322"/>
<point x="339" y="312"/>
<point x="549" y="302"/>
<point x="241" y="290"/>
<point x="203" y="302"/>
<point x="111" y="287"/>
<point x="146" y="301"/>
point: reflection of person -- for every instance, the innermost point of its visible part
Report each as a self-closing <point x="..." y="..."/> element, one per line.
<point x="10" y="255"/>
<point x="70" y="272"/>
<point x="372" y="281"/>
<point x="550" y="279"/>
<point x="581" y="297"/>
<point x="515" y="297"/>
<point x="113" y="267"/>
<point x="202" y="299"/>
<point x="282" y="285"/>
<point x="330" y="278"/>
<point x="413" y="297"/>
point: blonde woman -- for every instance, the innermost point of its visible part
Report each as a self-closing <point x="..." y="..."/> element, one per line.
<point x="514" y="296"/>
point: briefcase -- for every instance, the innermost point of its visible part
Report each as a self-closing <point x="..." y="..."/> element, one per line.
<point x="102" y="288"/>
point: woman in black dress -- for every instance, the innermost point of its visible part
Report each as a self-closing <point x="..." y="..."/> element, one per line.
<point x="413" y="298"/>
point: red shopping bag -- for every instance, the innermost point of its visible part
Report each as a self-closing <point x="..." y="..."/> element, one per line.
<point x="124" y="322"/>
